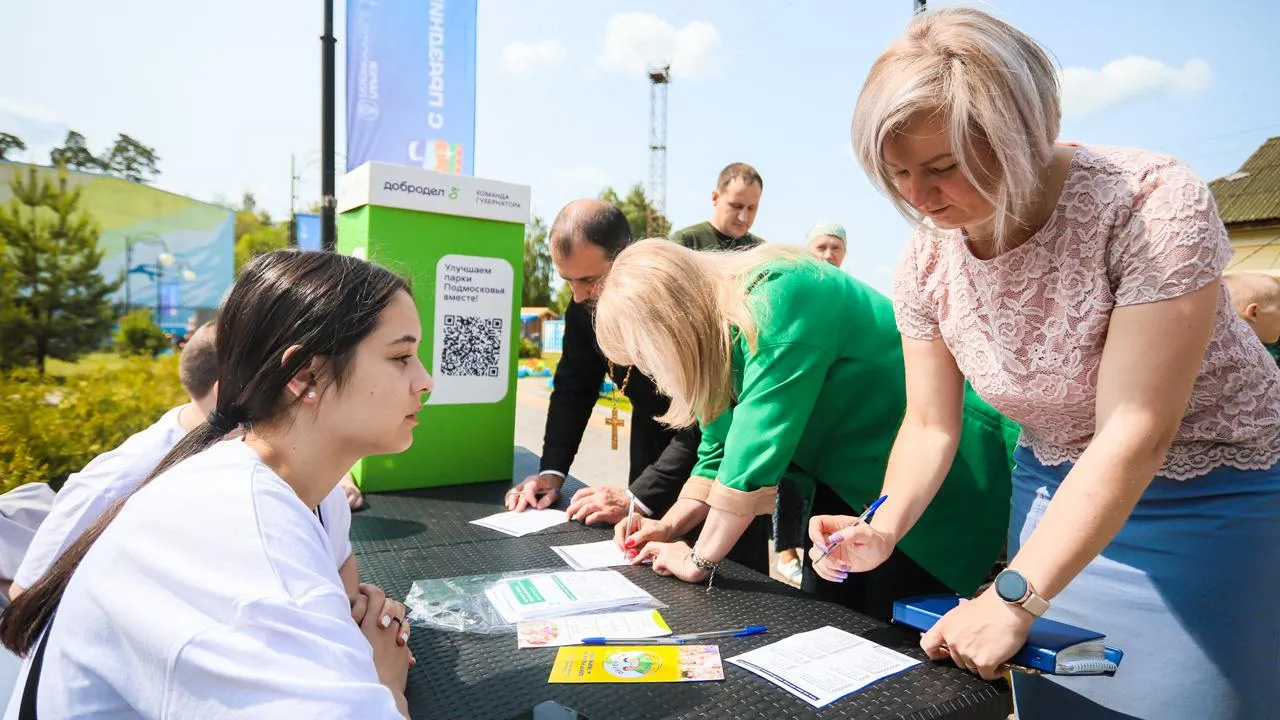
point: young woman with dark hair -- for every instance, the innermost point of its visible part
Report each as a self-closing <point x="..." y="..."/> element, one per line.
<point x="211" y="591"/>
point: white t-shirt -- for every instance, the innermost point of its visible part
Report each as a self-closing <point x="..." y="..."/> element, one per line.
<point x="212" y="595"/>
<point x="22" y="510"/>
<point x="116" y="473"/>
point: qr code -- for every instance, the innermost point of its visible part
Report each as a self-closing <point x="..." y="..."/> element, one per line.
<point x="471" y="346"/>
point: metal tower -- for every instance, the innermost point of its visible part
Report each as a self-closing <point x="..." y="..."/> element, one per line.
<point x="659" y="78"/>
<point x="919" y="6"/>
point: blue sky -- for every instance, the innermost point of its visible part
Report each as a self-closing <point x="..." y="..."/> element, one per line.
<point x="226" y="91"/>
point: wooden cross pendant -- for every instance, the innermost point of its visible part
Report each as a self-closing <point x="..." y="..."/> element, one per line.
<point x="614" y="422"/>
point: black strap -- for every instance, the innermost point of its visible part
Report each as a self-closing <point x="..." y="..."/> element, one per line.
<point x="31" y="692"/>
<point x="320" y="517"/>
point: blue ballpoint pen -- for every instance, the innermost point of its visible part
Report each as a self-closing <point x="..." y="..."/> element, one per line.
<point x="685" y="639"/>
<point x="864" y="517"/>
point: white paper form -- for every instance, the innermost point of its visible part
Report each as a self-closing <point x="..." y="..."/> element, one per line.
<point x="571" y="630"/>
<point x="522" y="523"/>
<point x="561" y="594"/>
<point x="589" y="556"/>
<point x="823" y="665"/>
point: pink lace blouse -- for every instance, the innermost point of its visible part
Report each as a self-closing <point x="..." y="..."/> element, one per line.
<point x="1027" y="327"/>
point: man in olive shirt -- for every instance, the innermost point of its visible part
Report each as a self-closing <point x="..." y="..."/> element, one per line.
<point x="734" y="203"/>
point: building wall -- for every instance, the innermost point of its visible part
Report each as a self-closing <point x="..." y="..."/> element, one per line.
<point x="1256" y="249"/>
<point x="201" y="236"/>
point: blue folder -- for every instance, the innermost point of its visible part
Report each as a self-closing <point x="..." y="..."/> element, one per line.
<point x="1052" y="647"/>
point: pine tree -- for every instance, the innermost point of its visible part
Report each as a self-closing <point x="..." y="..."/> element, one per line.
<point x="51" y="251"/>
<point x="645" y="222"/>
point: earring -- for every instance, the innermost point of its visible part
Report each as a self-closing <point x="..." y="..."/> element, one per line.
<point x="311" y="394"/>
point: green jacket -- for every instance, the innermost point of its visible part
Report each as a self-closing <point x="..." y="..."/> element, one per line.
<point x="821" y="399"/>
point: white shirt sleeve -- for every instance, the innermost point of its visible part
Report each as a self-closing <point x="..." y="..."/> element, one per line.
<point x="85" y="496"/>
<point x="336" y="512"/>
<point x="281" y="659"/>
<point x="22" y="510"/>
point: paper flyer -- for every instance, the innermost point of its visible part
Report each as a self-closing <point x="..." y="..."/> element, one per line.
<point x="823" y="665"/>
<point x="570" y="631"/>
<point x="562" y="594"/>
<point x="519" y="524"/>
<point x="639" y="664"/>
<point x="589" y="556"/>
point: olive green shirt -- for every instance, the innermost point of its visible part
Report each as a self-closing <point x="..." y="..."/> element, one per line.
<point x="705" y="236"/>
<point x="820" y="399"/>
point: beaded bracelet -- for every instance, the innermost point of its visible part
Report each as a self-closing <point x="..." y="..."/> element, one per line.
<point x="704" y="564"/>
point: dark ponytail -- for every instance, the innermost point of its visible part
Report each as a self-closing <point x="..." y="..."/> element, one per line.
<point x="321" y="303"/>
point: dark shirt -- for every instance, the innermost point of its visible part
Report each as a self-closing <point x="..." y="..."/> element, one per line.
<point x="705" y="236"/>
<point x="661" y="458"/>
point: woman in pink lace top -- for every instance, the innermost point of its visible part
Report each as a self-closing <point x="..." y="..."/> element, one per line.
<point x="1078" y="289"/>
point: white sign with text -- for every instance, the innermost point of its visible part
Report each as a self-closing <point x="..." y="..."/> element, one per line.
<point x="472" y="342"/>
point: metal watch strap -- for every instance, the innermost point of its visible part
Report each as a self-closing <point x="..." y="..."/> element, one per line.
<point x="1033" y="603"/>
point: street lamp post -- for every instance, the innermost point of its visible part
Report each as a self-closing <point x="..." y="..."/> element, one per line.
<point x="298" y="168"/>
<point x="154" y="270"/>
<point x="163" y="260"/>
<point x="129" y="242"/>
<point x="328" y="233"/>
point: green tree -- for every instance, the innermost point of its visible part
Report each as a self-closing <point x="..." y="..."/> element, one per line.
<point x="139" y="334"/>
<point x="62" y="301"/>
<point x="645" y="222"/>
<point x="129" y="159"/>
<point x="9" y="143"/>
<point x="255" y="232"/>
<point x="12" y="323"/>
<point x="261" y="240"/>
<point x="73" y="154"/>
<point x="537" y="265"/>
<point x="560" y="302"/>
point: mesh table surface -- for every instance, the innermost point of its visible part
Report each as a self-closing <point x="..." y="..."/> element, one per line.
<point x="437" y="516"/>
<point x="425" y="534"/>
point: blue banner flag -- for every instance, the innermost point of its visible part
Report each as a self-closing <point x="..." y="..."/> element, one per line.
<point x="411" y="83"/>
<point x="306" y="231"/>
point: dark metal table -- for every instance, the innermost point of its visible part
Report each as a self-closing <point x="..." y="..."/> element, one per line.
<point x="407" y="536"/>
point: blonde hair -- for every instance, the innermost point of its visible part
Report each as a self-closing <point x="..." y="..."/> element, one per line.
<point x="1247" y="288"/>
<point x="996" y="88"/>
<point x="674" y="314"/>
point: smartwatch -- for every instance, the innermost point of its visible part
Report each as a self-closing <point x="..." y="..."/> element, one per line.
<point x="1014" y="588"/>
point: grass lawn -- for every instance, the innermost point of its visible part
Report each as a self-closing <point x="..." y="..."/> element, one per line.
<point x="93" y="362"/>
<point x="551" y="359"/>
<point x="606" y="402"/>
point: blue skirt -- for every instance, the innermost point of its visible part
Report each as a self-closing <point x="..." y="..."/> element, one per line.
<point x="1189" y="589"/>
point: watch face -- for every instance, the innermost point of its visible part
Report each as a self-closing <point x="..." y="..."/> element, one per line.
<point x="1011" y="586"/>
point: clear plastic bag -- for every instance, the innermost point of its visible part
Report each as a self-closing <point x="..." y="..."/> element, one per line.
<point x="459" y="604"/>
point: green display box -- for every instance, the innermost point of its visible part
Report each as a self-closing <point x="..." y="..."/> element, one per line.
<point x="460" y="241"/>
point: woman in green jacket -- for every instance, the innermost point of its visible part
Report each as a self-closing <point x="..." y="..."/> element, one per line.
<point x="794" y="368"/>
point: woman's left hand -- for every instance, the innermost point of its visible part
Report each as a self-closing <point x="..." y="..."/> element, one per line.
<point x="674" y="558"/>
<point x="979" y="635"/>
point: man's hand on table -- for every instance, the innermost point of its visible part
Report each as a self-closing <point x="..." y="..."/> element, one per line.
<point x="535" y="491"/>
<point x="599" y="505"/>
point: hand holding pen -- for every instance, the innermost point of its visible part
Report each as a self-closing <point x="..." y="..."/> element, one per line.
<point x="841" y="547"/>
